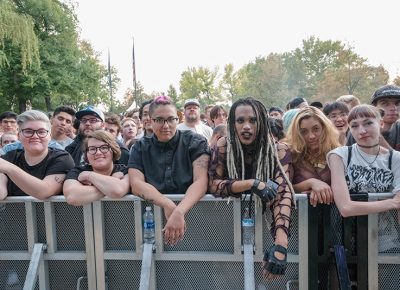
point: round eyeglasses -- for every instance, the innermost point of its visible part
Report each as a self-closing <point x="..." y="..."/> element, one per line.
<point x="93" y="149"/>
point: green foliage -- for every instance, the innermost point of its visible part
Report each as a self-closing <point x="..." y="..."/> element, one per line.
<point x="200" y="83"/>
<point x="68" y="71"/>
<point x="173" y="94"/>
<point x="17" y="30"/>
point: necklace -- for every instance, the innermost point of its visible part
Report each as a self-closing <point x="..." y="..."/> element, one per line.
<point x="369" y="163"/>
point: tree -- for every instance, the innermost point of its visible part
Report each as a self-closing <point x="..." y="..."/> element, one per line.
<point x="17" y="31"/>
<point x="200" y="83"/>
<point x="229" y="83"/>
<point x="306" y="66"/>
<point x="68" y="71"/>
<point x="396" y="81"/>
<point x="173" y="94"/>
<point x="264" y="79"/>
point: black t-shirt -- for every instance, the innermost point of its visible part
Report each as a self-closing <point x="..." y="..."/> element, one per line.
<point x="74" y="173"/>
<point x="168" y="165"/>
<point x="56" y="162"/>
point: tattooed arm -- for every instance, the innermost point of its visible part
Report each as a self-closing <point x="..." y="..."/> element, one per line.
<point x="142" y="189"/>
<point x="31" y="185"/>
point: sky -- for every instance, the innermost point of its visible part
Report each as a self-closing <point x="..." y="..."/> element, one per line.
<point x="172" y="35"/>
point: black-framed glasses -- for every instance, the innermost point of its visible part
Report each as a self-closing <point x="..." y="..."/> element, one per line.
<point x="93" y="149"/>
<point x="41" y="133"/>
<point x="336" y="116"/>
<point x="162" y="121"/>
<point x="90" y="120"/>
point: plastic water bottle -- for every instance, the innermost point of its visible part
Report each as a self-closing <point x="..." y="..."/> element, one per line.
<point x="148" y="225"/>
<point x="247" y="228"/>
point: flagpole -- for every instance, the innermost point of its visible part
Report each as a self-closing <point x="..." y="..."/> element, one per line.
<point x="134" y="73"/>
<point x="110" y="83"/>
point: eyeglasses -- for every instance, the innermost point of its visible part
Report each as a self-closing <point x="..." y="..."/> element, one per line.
<point x="162" y="121"/>
<point x="335" y="116"/>
<point x="93" y="149"/>
<point x="91" y="120"/>
<point x="41" y="133"/>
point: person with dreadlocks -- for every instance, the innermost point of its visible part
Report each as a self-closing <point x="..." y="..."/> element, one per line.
<point x="247" y="161"/>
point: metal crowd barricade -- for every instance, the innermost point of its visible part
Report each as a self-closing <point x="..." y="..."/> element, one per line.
<point x="65" y="230"/>
<point x="100" y="246"/>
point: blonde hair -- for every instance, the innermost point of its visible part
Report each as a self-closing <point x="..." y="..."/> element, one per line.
<point x="350" y="100"/>
<point x="33" y="115"/>
<point x="329" y="138"/>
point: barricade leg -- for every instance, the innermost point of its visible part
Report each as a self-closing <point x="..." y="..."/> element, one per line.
<point x="36" y="262"/>
<point x="249" y="283"/>
<point x="313" y="247"/>
<point x="362" y="252"/>
<point x="146" y="266"/>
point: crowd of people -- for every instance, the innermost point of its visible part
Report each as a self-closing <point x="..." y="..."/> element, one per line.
<point x="269" y="154"/>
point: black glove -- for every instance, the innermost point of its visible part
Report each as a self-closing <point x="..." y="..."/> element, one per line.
<point x="268" y="193"/>
<point x="274" y="265"/>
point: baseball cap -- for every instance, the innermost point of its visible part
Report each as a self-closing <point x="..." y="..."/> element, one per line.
<point x="90" y="110"/>
<point x="191" y="102"/>
<point x="385" y="91"/>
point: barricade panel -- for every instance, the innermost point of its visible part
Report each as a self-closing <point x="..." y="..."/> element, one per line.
<point x="41" y="223"/>
<point x="292" y="274"/>
<point x="13" y="231"/>
<point x="123" y="274"/>
<point x="70" y="230"/>
<point x="119" y="226"/>
<point x="13" y="273"/>
<point x="64" y="275"/>
<point x="209" y="228"/>
<point x="199" y="275"/>
<point x="389" y="232"/>
<point x="389" y="276"/>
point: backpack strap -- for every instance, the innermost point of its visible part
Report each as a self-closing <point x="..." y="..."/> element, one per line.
<point x="349" y="148"/>
<point x="390" y="158"/>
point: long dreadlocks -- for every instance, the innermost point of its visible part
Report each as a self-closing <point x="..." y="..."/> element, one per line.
<point x="266" y="152"/>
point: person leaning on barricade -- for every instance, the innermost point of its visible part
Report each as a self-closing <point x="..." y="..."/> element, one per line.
<point x="367" y="167"/>
<point x="35" y="170"/>
<point x="169" y="162"/>
<point x="310" y="137"/>
<point x="100" y="177"/>
<point x="247" y="161"/>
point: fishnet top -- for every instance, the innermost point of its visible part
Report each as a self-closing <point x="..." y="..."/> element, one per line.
<point x="220" y="185"/>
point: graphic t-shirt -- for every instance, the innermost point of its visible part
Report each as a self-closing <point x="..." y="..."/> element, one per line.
<point x="371" y="173"/>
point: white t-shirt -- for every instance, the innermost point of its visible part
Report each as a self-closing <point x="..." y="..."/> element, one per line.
<point x="201" y="129"/>
<point x="374" y="178"/>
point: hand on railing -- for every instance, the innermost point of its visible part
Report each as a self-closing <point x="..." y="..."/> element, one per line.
<point x="320" y="193"/>
<point x="175" y="227"/>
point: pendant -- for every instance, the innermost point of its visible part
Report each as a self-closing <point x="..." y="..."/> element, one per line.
<point x="320" y="165"/>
